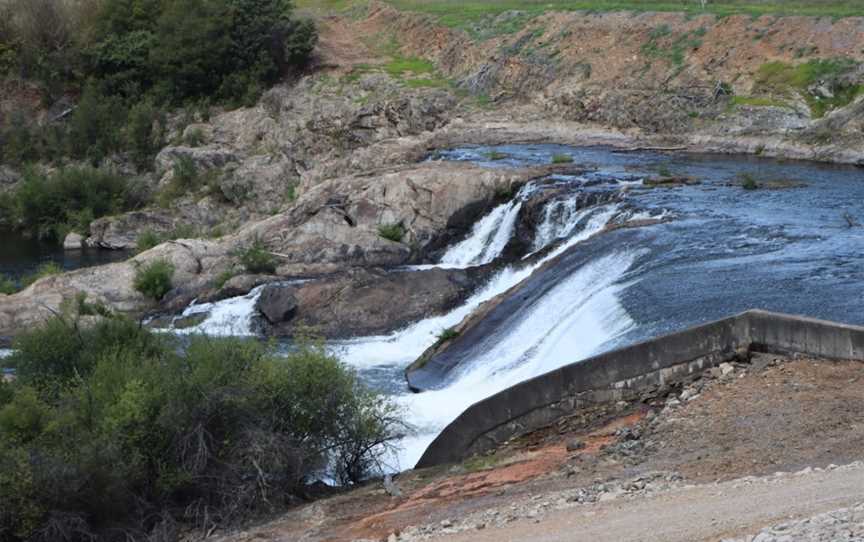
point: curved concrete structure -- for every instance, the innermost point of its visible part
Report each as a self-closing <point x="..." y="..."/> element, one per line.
<point x="628" y="373"/>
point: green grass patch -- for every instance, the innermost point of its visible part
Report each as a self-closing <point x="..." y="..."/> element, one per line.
<point x="401" y="66"/>
<point x="663" y="44"/>
<point x="466" y="14"/>
<point x="784" y="78"/>
<point x="47" y="269"/>
<point x="562" y="159"/>
<point x="392" y="232"/>
<point x="497" y="155"/>
<point x="758" y="101"/>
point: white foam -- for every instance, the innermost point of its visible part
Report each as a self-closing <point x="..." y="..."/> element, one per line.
<point x="404" y="346"/>
<point x="5" y="353"/>
<point x="573" y="321"/>
<point x="229" y="317"/>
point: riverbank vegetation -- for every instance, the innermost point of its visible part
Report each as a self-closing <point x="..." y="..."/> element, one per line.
<point x="50" y="205"/>
<point x="111" y="432"/>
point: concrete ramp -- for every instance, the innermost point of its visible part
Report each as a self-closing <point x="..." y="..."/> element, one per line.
<point x="634" y="371"/>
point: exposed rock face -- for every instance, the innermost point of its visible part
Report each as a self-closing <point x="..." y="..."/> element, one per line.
<point x="73" y="241"/>
<point x="122" y="231"/>
<point x="277" y="303"/>
<point x="111" y="284"/>
<point x="364" y="301"/>
<point x="338" y="221"/>
<point x="8" y="178"/>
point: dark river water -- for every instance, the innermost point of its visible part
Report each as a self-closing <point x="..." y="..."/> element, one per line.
<point x="20" y="255"/>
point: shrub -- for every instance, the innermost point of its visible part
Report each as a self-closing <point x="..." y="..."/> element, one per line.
<point x="255" y="258"/>
<point x="46" y="205"/>
<point x="144" y="133"/>
<point x="447" y="335"/>
<point x="223" y="277"/>
<point x="7" y="285"/>
<point x="153" y="279"/>
<point x="47" y="269"/>
<point x="748" y="182"/>
<point x="392" y="232"/>
<point x="562" y="159"/>
<point x="134" y="435"/>
<point x="147" y="239"/>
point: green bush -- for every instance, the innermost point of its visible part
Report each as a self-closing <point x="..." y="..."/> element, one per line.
<point x="7" y="285"/>
<point x="748" y="182"/>
<point x="562" y="159"/>
<point x="113" y="433"/>
<point x="48" y="205"/>
<point x="147" y="239"/>
<point x="154" y="279"/>
<point x="255" y="258"/>
<point x="392" y="232"/>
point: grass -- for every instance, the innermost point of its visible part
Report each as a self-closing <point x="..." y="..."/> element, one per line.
<point x="748" y="182"/>
<point x="783" y="78"/>
<point x="47" y="269"/>
<point x="7" y="285"/>
<point x="446" y="335"/>
<point x="674" y="49"/>
<point x="464" y="14"/>
<point x="497" y="155"/>
<point x="758" y="101"/>
<point x="392" y="232"/>
<point x="562" y="159"/>
<point x="154" y="279"/>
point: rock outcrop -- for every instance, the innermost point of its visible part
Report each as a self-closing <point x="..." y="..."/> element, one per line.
<point x="363" y="302"/>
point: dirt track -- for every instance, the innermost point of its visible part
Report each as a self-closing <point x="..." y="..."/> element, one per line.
<point x="705" y="512"/>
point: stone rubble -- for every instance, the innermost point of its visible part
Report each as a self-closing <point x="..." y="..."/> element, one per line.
<point x="845" y="524"/>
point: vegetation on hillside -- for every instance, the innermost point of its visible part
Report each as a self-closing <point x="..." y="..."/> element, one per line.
<point x="465" y="14"/>
<point x="112" y="433"/>
<point x="129" y="61"/>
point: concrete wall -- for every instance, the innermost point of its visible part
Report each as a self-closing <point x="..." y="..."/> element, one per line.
<point x="627" y="373"/>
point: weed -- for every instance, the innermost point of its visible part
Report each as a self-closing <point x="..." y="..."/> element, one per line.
<point x="154" y="279"/>
<point x="256" y="259"/>
<point x="47" y="269"/>
<point x="392" y="232"/>
<point x="7" y="285"/>
<point x="664" y="171"/>
<point x="497" y="155"/>
<point x="562" y="159"/>
<point x="748" y="182"/>
<point x="223" y="277"/>
<point x="147" y="239"/>
<point x="446" y="335"/>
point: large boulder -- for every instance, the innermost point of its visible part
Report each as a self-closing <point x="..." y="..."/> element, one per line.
<point x="362" y="302"/>
<point x="121" y="232"/>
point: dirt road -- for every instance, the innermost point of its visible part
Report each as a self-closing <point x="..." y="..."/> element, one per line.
<point x="705" y="512"/>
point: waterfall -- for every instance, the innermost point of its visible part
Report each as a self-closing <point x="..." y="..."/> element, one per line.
<point x="229" y="317"/>
<point x="404" y="346"/>
<point x="489" y="235"/>
<point x="573" y="321"/>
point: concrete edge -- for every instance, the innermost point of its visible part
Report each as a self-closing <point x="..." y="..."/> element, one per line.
<point x="638" y="368"/>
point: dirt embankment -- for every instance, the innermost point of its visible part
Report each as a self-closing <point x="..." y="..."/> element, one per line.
<point x="779" y="86"/>
<point x="698" y="464"/>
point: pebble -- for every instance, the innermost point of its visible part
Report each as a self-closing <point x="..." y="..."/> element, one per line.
<point x="846" y="524"/>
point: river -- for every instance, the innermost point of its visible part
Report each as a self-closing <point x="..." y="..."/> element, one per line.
<point x="21" y="255"/>
<point x="714" y="249"/>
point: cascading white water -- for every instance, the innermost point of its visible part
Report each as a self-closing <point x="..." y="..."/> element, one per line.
<point x="560" y="218"/>
<point x="229" y="317"/>
<point x="404" y="346"/>
<point x="573" y="321"/>
<point x="489" y="235"/>
<point x="4" y="353"/>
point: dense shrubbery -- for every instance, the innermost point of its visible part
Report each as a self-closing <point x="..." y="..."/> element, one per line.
<point x="50" y="205"/>
<point x="173" y="49"/>
<point x="169" y="52"/>
<point x="111" y="433"/>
